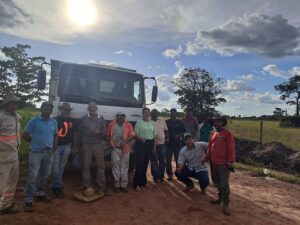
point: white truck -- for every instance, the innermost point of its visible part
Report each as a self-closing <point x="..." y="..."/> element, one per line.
<point x="114" y="89"/>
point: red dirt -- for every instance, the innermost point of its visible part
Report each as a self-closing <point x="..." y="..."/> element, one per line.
<point x="254" y="200"/>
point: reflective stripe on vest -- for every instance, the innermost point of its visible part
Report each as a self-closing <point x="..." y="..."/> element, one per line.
<point x="8" y="138"/>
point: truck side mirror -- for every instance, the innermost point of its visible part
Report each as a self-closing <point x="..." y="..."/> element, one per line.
<point x="41" y="80"/>
<point x="154" y="93"/>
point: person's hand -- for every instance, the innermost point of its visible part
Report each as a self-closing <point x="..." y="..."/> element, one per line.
<point x="167" y="141"/>
<point x="230" y="167"/>
<point x="143" y="140"/>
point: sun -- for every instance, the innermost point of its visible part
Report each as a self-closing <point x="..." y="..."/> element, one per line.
<point x="82" y="12"/>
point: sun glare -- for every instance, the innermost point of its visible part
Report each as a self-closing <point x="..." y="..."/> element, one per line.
<point x="82" y="12"/>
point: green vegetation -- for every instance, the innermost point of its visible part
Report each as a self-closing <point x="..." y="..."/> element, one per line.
<point x="26" y="115"/>
<point x="250" y="129"/>
<point x="259" y="171"/>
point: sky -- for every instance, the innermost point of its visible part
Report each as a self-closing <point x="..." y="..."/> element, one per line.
<point x="252" y="45"/>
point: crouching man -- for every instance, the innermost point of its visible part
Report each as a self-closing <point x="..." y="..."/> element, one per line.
<point x="120" y="134"/>
<point x="191" y="164"/>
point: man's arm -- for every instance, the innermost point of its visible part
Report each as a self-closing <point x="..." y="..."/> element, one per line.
<point x="28" y="131"/>
<point x="181" y="161"/>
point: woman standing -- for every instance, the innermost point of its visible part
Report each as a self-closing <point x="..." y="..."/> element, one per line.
<point x="145" y="143"/>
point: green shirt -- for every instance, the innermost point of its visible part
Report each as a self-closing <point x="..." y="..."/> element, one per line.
<point x="145" y="129"/>
<point x="118" y="135"/>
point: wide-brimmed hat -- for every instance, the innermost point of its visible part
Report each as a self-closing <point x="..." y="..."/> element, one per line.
<point x="10" y="98"/>
<point x="220" y="118"/>
<point x="66" y="106"/>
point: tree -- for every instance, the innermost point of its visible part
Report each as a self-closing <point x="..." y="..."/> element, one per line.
<point x="290" y="91"/>
<point x="198" y="90"/>
<point x="19" y="73"/>
<point x="279" y="113"/>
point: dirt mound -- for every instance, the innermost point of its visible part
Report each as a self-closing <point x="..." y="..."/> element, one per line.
<point x="244" y="148"/>
<point x="294" y="162"/>
<point x="274" y="155"/>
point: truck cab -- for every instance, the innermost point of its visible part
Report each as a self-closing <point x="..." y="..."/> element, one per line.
<point x="114" y="89"/>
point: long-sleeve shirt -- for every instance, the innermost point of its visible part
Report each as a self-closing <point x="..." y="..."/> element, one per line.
<point x="92" y="131"/>
<point x="190" y="124"/>
<point x="9" y="136"/>
<point x="221" y="148"/>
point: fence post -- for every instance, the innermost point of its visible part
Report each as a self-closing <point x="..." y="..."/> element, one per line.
<point x="261" y="132"/>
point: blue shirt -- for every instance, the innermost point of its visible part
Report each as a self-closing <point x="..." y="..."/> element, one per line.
<point x="42" y="133"/>
<point x="192" y="157"/>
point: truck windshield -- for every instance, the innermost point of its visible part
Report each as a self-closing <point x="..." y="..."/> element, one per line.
<point x="83" y="84"/>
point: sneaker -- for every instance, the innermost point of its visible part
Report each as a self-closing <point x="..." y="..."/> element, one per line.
<point x="117" y="190"/>
<point x="28" y="207"/>
<point x="124" y="190"/>
<point x="226" y="210"/>
<point x="216" y="201"/>
<point x="156" y="180"/>
<point x="43" y="199"/>
<point x="10" y="210"/>
<point x="60" y="193"/>
<point x="188" y="188"/>
<point x="138" y="188"/>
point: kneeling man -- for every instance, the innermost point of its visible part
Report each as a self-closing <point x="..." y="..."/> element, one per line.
<point x="191" y="163"/>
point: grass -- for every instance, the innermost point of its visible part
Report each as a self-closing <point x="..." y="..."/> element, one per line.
<point x="273" y="173"/>
<point x="26" y="114"/>
<point x="250" y="129"/>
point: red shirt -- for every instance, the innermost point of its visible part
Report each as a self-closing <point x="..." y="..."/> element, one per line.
<point x="221" y="149"/>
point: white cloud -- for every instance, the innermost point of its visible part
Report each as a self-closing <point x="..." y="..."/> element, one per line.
<point x="277" y="72"/>
<point x="2" y="56"/>
<point x="107" y="63"/>
<point x="164" y="21"/>
<point x="248" y="77"/>
<point x="236" y="85"/>
<point x="270" y="36"/>
<point x="172" y="53"/>
<point x="121" y="52"/>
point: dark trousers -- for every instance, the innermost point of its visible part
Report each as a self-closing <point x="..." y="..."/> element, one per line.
<point x="220" y="175"/>
<point x="201" y="176"/>
<point x="158" y="162"/>
<point x="143" y="153"/>
<point x="173" y="148"/>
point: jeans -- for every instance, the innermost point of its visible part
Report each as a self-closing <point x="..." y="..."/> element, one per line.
<point x="172" y="148"/>
<point x="60" y="159"/>
<point x="201" y="176"/>
<point x="158" y="162"/>
<point x="40" y="163"/>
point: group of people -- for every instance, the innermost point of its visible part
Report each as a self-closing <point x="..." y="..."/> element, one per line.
<point x="193" y="145"/>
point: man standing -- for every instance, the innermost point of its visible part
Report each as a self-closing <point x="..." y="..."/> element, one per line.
<point x="158" y="158"/>
<point x="9" y="148"/>
<point x="204" y="129"/>
<point x="190" y="123"/>
<point x="120" y="134"/>
<point x="191" y="164"/>
<point x="221" y="154"/>
<point x="92" y="132"/>
<point x="41" y="132"/>
<point x="66" y="136"/>
<point x="176" y="130"/>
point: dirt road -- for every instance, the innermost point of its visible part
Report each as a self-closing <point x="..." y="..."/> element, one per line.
<point x="255" y="200"/>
